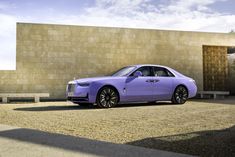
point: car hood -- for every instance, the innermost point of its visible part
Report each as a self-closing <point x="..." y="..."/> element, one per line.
<point x="91" y="79"/>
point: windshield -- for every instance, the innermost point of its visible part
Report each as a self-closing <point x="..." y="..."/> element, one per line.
<point x="123" y="71"/>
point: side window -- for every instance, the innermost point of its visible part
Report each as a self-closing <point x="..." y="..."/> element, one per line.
<point x="146" y="71"/>
<point x="162" y="72"/>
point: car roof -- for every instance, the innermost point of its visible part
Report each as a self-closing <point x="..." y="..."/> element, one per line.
<point x="140" y="65"/>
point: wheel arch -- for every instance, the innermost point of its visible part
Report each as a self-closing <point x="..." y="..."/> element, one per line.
<point x="108" y="85"/>
<point x="183" y="86"/>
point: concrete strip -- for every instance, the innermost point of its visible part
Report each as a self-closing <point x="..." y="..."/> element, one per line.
<point x="16" y="141"/>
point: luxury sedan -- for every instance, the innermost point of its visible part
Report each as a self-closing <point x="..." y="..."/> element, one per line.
<point x="136" y="83"/>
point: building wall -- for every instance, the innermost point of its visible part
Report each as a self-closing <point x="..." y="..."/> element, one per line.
<point x="48" y="56"/>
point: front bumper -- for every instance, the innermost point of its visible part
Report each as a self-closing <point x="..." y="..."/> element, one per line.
<point x="76" y="93"/>
<point x="79" y="99"/>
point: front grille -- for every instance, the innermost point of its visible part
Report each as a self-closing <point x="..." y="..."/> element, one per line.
<point x="71" y="87"/>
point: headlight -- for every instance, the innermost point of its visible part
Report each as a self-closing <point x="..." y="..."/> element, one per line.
<point x="84" y="84"/>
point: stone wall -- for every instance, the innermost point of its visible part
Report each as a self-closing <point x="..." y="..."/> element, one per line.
<point x="48" y="56"/>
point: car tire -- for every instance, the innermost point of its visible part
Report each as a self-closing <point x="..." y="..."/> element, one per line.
<point x="180" y="95"/>
<point x="107" y="97"/>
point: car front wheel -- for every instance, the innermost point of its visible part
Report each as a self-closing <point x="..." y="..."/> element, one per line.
<point x="180" y="95"/>
<point x="107" y="97"/>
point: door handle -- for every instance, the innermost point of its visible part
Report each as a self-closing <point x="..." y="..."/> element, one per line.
<point x="156" y="80"/>
<point x="149" y="81"/>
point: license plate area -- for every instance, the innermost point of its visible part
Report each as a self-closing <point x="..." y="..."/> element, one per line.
<point x="70" y="94"/>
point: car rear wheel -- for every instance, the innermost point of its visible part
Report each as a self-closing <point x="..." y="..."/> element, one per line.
<point x="180" y="95"/>
<point x="107" y="97"/>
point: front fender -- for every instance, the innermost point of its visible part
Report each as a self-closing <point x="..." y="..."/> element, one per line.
<point x="118" y="84"/>
<point x="94" y="88"/>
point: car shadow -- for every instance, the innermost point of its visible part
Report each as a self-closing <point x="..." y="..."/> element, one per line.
<point x="55" y="108"/>
<point x="163" y="103"/>
<point x="88" y="107"/>
<point x="203" y="143"/>
<point x="70" y="143"/>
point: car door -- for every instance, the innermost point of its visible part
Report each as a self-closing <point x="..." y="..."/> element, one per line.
<point x="140" y="88"/>
<point x="163" y="84"/>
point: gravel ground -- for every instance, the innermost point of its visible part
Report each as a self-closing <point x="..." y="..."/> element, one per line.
<point x="199" y="127"/>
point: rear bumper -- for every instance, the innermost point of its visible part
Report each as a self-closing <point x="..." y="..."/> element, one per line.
<point x="192" y="91"/>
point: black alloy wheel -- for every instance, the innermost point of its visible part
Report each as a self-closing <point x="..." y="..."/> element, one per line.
<point x="107" y="97"/>
<point x="180" y="95"/>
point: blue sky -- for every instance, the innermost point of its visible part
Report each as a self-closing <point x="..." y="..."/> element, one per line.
<point x="189" y="15"/>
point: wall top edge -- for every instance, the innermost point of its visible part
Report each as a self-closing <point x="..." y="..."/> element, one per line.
<point x="125" y="28"/>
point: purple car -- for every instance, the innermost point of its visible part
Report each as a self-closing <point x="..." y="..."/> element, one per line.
<point x="136" y="83"/>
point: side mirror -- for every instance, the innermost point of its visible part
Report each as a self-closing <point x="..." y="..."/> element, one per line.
<point x="138" y="74"/>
